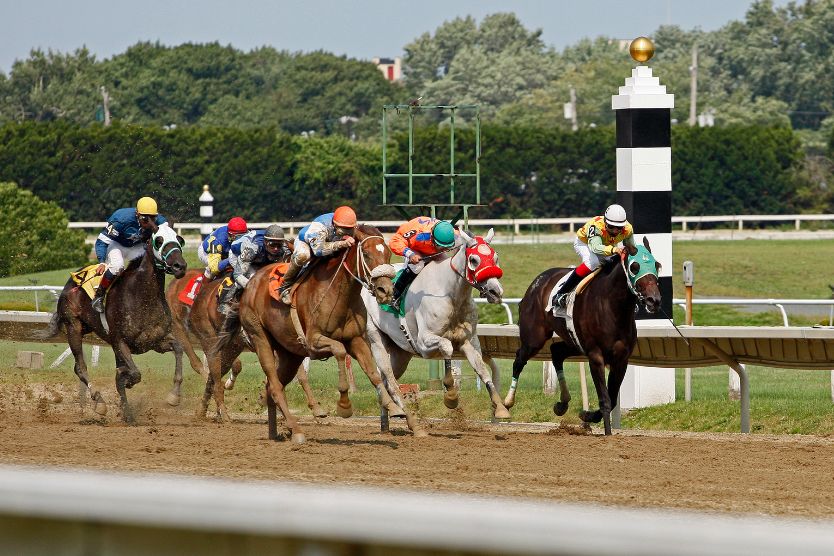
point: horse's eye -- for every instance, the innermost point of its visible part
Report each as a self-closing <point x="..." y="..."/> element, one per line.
<point x="634" y="268"/>
<point x="474" y="261"/>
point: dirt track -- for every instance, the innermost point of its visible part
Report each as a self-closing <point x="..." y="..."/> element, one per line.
<point x="730" y="473"/>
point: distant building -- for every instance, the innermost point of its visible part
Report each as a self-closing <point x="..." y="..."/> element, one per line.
<point x="391" y="68"/>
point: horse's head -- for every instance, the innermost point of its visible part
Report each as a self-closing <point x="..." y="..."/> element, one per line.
<point x="373" y="266"/>
<point x="166" y="246"/>
<point x="482" y="270"/>
<point x="642" y="270"/>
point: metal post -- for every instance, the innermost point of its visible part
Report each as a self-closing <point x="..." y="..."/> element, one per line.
<point x="384" y="156"/>
<point x="206" y="211"/>
<point x="452" y="156"/>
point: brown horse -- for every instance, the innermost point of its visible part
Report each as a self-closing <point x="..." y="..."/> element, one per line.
<point x="327" y="319"/>
<point x="603" y="316"/>
<point x="204" y="321"/>
<point x="136" y="315"/>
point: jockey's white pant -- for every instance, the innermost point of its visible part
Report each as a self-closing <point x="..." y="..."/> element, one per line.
<point x="301" y="252"/>
<point x="118" y="256"/>
<point x="202" y="255"/>
<point x="590" y="258"/>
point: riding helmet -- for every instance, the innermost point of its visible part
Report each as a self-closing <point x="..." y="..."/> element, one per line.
<point x="344" y="217"/>
<point x="274" y="231"/>
<point x="615" y="215"/>
<point x="146" y="205"/>
<point x="443" y="234"/>
<point x="237" y="225"/>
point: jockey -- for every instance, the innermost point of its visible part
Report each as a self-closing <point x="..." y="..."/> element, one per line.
<point x="214" y="250"/>
<point x="326" y="235"/>
<point x="248" y="254"/>
<point x="597" y="238"/>
<point x="415" y="240"/>
<point x="122" y="240"/>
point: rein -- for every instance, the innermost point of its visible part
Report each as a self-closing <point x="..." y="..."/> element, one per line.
<point x="362" y="264"/>
<point x="476" y="285"/>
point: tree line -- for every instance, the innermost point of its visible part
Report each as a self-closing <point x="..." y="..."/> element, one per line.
<point x="266" y="174"/>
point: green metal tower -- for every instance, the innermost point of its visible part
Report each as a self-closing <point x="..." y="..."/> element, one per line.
<point x="412" y="208"/>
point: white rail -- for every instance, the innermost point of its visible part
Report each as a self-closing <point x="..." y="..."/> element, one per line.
<point x="734" y="220"/>
<point x="91" y="508"/>
<point x="776" y="303"/>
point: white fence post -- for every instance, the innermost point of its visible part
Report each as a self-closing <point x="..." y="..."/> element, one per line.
<point x="548" y="378"/>
<point x="734" y="389"/>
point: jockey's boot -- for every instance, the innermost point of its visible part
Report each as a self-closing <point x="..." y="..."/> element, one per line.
<point x="98" y="300"/>
<point x="289" y="280"/>
<point x="227" y="297"/>
<point x="405" y="280"/>
<point x="560" y="298"/>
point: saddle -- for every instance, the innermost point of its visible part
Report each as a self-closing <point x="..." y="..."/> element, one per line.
<point x="87" y="279"/>
<point x="559" y="312"/>
<point x="190" y="291"/>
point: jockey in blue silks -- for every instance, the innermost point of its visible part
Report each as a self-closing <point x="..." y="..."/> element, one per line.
<point x="123" y="240"/>
<point x="214" y="250"/>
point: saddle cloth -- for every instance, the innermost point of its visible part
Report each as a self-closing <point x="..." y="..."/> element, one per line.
<point x="276" y="280"/>
<point x="87" y="279"/>
<point x="190" y="291"/>
<point x="224" y="285"/>
<point x="397" y="310"/>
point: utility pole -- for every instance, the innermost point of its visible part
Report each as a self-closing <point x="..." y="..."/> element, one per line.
<point x="574" y="122"/>
<point x="693" y="100"/>
<point x="106" y="102"/>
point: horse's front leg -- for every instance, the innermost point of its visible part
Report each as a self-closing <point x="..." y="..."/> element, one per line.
<point x="127" y="376"/>
<point x="597" y="365"/>
<point x="450" y="396"/>
<point x="75" y="339"/>
<point x="559" y="351"/>
<point x="472" y="350"/>
<point x="616" y="374"/>
<point x="362" y="352"/>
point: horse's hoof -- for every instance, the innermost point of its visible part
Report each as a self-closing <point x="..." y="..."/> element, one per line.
<point x="509" y="401"/>
<point x="420" y="433"/>
<point x="298" y="438"/>
<point x="229" y="384"/>
<point x="591" y="416"/>
<point x="319" y="411"/>
<point x="344" y="412"/>
<point x="172" y="399"/>
<point x="451" y="400"/>
<point x="560" y="408"/>
<point x="395" y="411"/>
<point x="501" y="412"/>
<point x="101" y="408"/>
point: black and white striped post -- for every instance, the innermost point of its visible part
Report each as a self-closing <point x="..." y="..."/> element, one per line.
<point x="644" y="189"/>
<point x="206" y="211"/>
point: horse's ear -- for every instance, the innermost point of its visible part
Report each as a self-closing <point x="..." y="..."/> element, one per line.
<point x="659" y="267"/>
<point x="646" y="243"/>
<point x="181" y="241"/>
<point x="467" y="239"/>
<point x="157" y="242"/>
<point x="489" y="235"/>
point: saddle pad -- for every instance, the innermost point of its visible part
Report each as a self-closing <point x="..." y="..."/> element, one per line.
<point x="276" y="280"/>
<point x="558" y="311"/>
<point x="190" y="291"/>
<point x="224" y="285"/>
<point x="87" y="279"/>
<point x="400" y="310"/>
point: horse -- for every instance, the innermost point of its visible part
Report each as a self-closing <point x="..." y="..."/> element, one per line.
<point x="603" y="317"/>
<point x="326" y="319"/>
<point x="440" y="318"/>
<point x="204" y="321"/>
<point x="136" y="317"/>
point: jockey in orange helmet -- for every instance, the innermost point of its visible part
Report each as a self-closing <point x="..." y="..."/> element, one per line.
<point x="327" y="234"/>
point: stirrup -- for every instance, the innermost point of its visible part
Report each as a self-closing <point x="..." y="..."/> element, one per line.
<point x="98" y="304"/>
<point x="286" y="296"/>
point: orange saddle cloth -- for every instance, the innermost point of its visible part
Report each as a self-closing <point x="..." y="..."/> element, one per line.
<point x="276" y="280"/>
<point x="190" y="291"/>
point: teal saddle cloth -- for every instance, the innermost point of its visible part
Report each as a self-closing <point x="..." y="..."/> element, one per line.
<point x="399" y="309"/>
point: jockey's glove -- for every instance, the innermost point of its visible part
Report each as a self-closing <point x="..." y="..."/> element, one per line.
<point x="241" y="280"/>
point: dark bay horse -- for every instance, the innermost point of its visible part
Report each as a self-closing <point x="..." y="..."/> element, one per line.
<point x="204" y="321"/>
<point x="327" y="319"/>
<point x="603" y="317"/>
<point x="137" y="316"/>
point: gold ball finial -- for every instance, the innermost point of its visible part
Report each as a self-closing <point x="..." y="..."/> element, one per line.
<point x="641" y="49"/>
<point x="205" y="187"/>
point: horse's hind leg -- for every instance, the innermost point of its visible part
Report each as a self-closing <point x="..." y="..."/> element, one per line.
<point x="75" y="339"/>
<point x="559" y="351"/>
<point x="237" y="368"/>
<point x="361" y="351"/>
<point x="304" y="380"/>
<point x="451" y="397"/>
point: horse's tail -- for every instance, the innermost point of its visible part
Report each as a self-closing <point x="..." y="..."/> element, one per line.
<point x="228" y="331"/>
<point x="52" y="329"/>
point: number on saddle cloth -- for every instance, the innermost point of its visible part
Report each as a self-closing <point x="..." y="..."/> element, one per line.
<point x="225" y="285"/>
<point x="189" y="293"/>
<point x="87" y="279"/>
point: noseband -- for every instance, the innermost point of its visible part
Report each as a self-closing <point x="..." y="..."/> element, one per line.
<point x="363" y="268"/>
<point x="161" y="261"/>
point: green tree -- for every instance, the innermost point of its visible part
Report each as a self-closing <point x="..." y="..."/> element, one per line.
<point x="41" y="239"/>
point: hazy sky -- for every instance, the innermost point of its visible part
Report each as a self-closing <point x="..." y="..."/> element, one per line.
<point x="358" y="28"/>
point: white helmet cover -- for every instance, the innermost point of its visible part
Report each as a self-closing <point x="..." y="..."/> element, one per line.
<point x="615" y="215"/>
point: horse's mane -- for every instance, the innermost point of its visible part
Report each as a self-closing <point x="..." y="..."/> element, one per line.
<point x="135" y="263"/>
<point x="608" y="264"/>
<point x="367" y="230"/>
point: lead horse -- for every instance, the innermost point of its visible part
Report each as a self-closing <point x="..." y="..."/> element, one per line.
<point x="136" y="317"/>
<point x="605" y="330"/>
<point x="440" y="318"/>
<point x="327" y="319"/>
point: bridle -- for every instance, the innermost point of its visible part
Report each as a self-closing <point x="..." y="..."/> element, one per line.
<point x="160" y="261"/>
<point x="641" y="297"/>
<point x="363" y="268"/>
